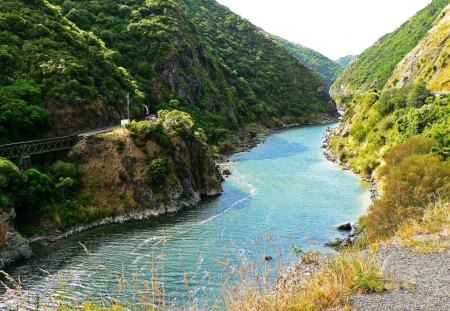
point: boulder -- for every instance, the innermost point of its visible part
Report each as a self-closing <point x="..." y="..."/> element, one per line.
<point x="344" y="227"/>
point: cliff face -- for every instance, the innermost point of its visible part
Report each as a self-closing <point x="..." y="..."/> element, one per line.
<point x="145" y="170"/>
<point x="13" y="246"/>
<point x="118" y="180"/>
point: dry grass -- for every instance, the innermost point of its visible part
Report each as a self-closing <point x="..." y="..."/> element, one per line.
<point x="428" y="234"/>
<point x="436" y="218"/>
<point x="328" y="289"/>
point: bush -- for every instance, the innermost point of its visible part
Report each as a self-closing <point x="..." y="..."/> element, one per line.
<point x="62" y="169"/>
<point x="158" y="169"/>
<point x="145" y="130"/>
<point x="412" y="179"/>
<point x="418" y="95"/>
<point x="176" y="122"/>
<point x="414" y="145"/>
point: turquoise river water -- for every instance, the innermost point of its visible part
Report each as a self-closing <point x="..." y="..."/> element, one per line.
<point x="281" y="193"/>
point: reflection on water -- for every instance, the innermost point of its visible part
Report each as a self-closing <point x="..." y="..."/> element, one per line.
<point x="283" y="188"/>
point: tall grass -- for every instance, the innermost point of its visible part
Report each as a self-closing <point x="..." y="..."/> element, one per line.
<point x="328" y="289"/>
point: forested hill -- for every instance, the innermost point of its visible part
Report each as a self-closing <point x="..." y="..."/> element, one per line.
<point x="68" y="65"/>
<point x="53" y="75"/>
<point x="346" y="60"/>
<point x="373" y="68"/>
<point x="328" y="69"/>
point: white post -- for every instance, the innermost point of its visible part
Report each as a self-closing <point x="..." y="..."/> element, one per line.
<point x="128" y="106"/>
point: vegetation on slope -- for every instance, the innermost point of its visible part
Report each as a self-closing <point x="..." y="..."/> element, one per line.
<point x="148" y="163"/>
<point x="373" y="68"/>
<point x="277" y="83"/>
<point x="199" y="57"/>
<point x="401" y="136"/>
<point x="54" y="76"/>
<point x="328" y="69"/>
<point x="346" y="60"/>
<point x="429" y="61"/>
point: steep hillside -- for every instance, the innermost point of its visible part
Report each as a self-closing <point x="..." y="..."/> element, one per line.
<point x="55" y="76"/>
<point x="328" y="69"/>
<point x="277" y="83"/>
<point x="346" y="60"/>
<point x="199" y="57"/>
<point x="146" y="169"/>
<point x="429" y="61"/>
<point x="373" y="68"/>
<point x="400" y="136"/>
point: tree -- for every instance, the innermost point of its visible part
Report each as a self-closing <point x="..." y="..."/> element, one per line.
<point x="176" y="122"/>
<point x="418" y="95"/>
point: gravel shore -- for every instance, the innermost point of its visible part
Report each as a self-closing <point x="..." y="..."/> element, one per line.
<point x="420" y="282"/>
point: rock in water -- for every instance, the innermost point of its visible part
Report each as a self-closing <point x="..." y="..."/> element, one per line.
<point x="344" y="227"/>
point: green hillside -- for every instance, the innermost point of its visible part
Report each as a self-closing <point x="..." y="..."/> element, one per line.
<point x="346" y="60"/>
<point x="199" y="57"/>
<point x="53" y="75"/>
<point x="374" y="67"/>
<point x="399" y="133"/>
<point x="429" y="61"/>
<point x="328" y="69"/>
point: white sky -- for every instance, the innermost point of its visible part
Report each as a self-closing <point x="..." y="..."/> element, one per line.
<point x="335" y="28"/>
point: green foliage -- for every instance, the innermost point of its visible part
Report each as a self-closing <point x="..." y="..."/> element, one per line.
<point x="145" y="130"/>
<point x="328" y="69"/>
<point x="374" y="67"/>
<point x="62" y="169"/>
<point x="297" y="251"/>
<point x="346" y="60"/>
<point x="418" y="95"/>
<point x="411" y="181"/>
<point x="51" y="70"/>
<point x="10" y="181"/>
<point x="378" y="123"/>
<point x="158" y="169"/>
<point x="38" y="196"/>
<point x="176" y="122"/>
<point x="367" y="281"/>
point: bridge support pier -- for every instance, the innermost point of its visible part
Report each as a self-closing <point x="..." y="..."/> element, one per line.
<point x="25" y="163"/>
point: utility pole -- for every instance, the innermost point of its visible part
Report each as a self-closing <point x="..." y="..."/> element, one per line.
<point x="128" y="106"/>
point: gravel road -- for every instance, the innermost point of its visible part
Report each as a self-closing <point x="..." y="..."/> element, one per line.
<point x="420" y="282"/>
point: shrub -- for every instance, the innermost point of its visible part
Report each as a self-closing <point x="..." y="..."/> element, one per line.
<point x="158" y="169"/>
<point x="176" y="122"/>
<point x="412" y="179"/>
<point x="414" y="145"/>
<point x="62" y="169"/>
<point x="418" y="95"/>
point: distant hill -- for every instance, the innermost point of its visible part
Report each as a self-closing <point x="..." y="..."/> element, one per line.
<point x="346" y="60"/>
<point x="317" y="62"/>
<point x="373" y="68"/>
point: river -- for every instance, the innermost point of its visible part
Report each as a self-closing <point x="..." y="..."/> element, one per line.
<point x="281" y="193"/>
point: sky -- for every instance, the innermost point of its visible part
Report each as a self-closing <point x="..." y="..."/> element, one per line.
<point x="334" y="28"/>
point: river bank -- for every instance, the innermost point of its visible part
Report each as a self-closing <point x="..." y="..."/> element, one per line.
<point x="245" y="140"/>
<point x="259" y="197"/>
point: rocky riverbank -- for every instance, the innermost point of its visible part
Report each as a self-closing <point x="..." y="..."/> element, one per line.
<point x="327" y="152"/>
<point x="124" y="157"/>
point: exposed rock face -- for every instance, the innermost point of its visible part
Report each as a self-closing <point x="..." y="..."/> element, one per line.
<point x="13" y="247"/>
<point x="115" y="168"/>
<point x="16" y="248"/>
